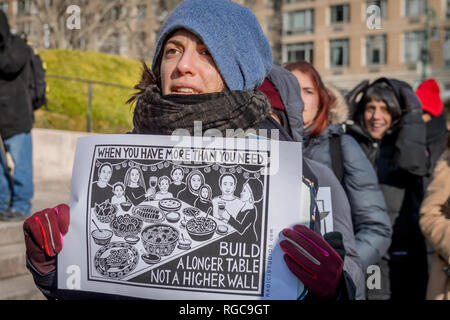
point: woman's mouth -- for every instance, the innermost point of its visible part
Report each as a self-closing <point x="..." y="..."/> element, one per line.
<point x="184" y="90"/>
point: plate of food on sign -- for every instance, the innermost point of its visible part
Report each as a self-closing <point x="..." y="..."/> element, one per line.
<point x="116" y="260"/>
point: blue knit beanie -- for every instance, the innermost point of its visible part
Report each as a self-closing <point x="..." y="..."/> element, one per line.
<point x="232" y="35"/>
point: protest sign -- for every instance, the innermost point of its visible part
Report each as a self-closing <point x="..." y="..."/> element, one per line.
<point x="159" y="218"/>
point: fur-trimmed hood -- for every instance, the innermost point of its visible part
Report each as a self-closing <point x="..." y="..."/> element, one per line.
<point x="340" y="111"/>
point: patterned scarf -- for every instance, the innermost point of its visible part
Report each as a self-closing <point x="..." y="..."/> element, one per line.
<point x="158" y="114"/>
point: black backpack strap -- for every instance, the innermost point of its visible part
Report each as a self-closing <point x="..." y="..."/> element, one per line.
<point x="336" y="157"/>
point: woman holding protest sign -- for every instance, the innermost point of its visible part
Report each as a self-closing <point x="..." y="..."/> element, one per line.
<point x="207" y="74"/>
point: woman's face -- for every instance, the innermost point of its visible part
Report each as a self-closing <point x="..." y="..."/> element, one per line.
<point x="377" y="118"/>
<point x="105" y="174"/>
<point x="246" y="193"/>
<point x="187" y="67"/>
<point x="177" y="175"/>
<point x="310" y="97"/>
<point x="196" y="182"/>
<point x="134" y="176"/>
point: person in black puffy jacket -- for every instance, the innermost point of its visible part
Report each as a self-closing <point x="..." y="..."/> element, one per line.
<point x="387" y="123"/>
<point x="16" y="121"/>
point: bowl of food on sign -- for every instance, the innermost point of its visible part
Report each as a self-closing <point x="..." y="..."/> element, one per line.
<point x="150" y="258"/>
<point x="160" y="239"/>
<point x="130" y="239"/>
<point x="105" y="211"/>
<point x="126" y="225"/>
<point x="126" y="206"/>
<point x="222" y="229"/>
<point x="191" y="212"/>
<point x="201" y="228"/>
<point x="170" y="204"/>
<point x="173" y="217"/>
<point x="102" y="237"/>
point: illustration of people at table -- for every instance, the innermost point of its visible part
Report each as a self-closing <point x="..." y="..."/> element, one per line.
<point x="135" y="186"/>
<point x="177" y="184"/>
<point x="245" y="220"/>
<point x="194" y="181"/>
<point x="227" y="200"/>
<point x="204" y="200"/>
<point x="101" y="189"/>
<point x="119" y="193"/>
<point x="163" y="185"/>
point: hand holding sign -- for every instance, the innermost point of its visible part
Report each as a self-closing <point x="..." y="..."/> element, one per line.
<point x="312" y="260"/>
<point x="44" y="233"/>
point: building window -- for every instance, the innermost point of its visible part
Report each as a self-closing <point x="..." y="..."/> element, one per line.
<point x="415" y="7"/>
<point x="447" y="10"/>
<point x="413" y="43"/>
<point x="382" y="4"/>
<point x="4" y="7"/>
<point x="447" y="47"/>
<point x="340" y="14"/>
<point x="24" y="7"/>
<point x="376" y="50"/>
<point x="339" y="53"/>
<point x="298" y="22"/>
<point x="299" y="51"/>
<point x="142" y="12"/>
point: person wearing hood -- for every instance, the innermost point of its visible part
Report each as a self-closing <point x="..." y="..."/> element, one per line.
<point x="210" y="57"/>
<point x="387" y="124"/>
<point x="283" y="91"/>
<point x="371" y="223"/>
<point x="16" y="121"/>
<point x="435" y="121"/>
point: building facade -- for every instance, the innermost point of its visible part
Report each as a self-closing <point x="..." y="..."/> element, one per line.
<point x="352" y="40"/>
<point x="346" y="40"/>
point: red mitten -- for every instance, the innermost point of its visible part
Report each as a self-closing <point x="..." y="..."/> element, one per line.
<point x="312" y="260"/>
<point x="44" y="232"/>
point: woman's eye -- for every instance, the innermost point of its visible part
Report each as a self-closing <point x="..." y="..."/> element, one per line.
<point x="205" y="52"/>
<point x="171" y="51"/>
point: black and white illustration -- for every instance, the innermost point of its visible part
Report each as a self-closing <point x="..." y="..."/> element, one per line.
<point x="157" y="222"/>
<point x="159" y="218"/>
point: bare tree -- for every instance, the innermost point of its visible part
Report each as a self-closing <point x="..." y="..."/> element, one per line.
<point x="100" y="19"/>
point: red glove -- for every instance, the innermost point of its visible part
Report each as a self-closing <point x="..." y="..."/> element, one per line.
<point x="312" y="260"/>
<point x="44" y="232"/>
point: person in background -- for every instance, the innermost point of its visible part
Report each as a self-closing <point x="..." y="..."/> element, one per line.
<point x="283" y="91"/>
<point x="387" y="123"/>
<point x="435" y="224"/>
<point x="16" y="122"/>
<point x="325" y="142"/>
<point x="209" y="59"/>
<point x="435" y="121"/>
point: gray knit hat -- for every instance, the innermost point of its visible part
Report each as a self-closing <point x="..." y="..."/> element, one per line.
<point x="232" y="35"/>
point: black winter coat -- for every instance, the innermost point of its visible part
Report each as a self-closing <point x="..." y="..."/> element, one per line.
<point x="401" y="162"/>
<point x="15" y="104"/>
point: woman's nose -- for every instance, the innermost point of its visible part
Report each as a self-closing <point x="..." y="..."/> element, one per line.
<point x="186" y="64"/>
